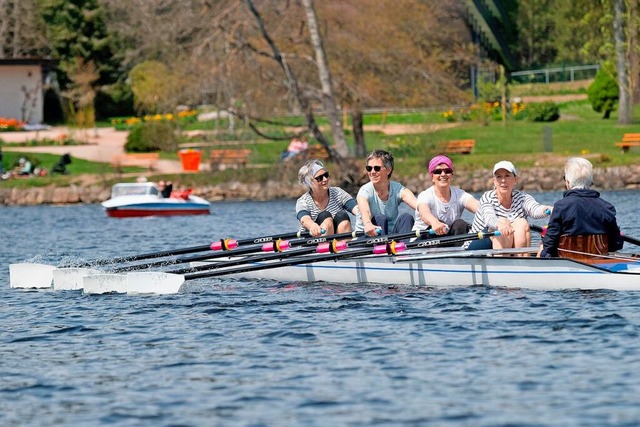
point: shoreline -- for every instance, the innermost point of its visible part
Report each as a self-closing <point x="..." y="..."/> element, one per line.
<point x="537" y="179"/>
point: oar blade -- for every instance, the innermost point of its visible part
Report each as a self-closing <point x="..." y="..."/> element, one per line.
<point x="30" y="275"/>
<point x="149" y="282"/>
<point x="104" y="284"/>
<point x="71" y="279"/>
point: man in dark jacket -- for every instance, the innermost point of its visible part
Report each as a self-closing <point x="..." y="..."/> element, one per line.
<point x="581" y="222"/>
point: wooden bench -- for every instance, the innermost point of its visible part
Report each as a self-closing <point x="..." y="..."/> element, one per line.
<point x="460" y="146"/>
<point x="629" y="140"/>
<point x="147" y="160"/>
<point x="317" y="151"/>
<point x="229" y="158"/>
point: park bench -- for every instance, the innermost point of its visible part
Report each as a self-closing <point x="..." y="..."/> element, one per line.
<point x="147" y="160"/>
<point x="460" y="146"/>
<point x="229" y="158"/>
<point x="629" y="140"/>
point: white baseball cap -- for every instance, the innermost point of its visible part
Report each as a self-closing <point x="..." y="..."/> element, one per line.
<point x="506" y="165"/>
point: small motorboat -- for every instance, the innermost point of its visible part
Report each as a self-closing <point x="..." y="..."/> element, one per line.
<point x="145" y="199"/>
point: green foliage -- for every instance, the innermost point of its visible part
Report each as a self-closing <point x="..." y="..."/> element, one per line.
<point x="152" y="136"/>
<point x="78" y="30"/>
<point x="604" y="92"/>
<point x="114" y="100"/>
<point x="543" y="112"/>
<point x="153" y="86"/>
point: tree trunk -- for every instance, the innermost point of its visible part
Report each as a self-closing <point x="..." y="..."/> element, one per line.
<point x="624" y="110"/>
<point x="302" y="99"/>
<point x="633" y="53"/>
<point x="328" y="100"/>
<point x="358" y="131"/>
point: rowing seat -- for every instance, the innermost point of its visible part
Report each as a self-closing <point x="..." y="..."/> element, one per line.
<point x="585" y="248"/>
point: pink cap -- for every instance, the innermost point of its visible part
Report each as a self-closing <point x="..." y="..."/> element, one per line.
<point x="268" y="247"/>
<point x="438" y="160"/>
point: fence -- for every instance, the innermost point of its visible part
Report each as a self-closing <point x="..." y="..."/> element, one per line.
<point x="560" y="74"/>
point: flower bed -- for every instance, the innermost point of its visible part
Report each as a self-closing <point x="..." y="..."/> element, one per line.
<point x="10" y="125"/>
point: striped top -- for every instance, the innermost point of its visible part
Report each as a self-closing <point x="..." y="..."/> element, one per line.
<point x="523" y="205"/>
<point x="338" y="200"/>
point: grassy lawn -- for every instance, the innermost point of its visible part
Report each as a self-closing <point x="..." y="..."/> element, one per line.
<point x="580" y="131"/>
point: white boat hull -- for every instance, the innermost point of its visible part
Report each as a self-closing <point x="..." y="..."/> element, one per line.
<point x="461" y="270"/>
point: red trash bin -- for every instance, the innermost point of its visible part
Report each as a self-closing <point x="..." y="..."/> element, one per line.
<point x="190" y="159"/>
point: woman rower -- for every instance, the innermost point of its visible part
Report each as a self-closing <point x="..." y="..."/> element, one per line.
<point x="440" y="207"/>
<point x="506" y="210"/>
<point x="323" y="207"/>
<point x="380" y="198"/>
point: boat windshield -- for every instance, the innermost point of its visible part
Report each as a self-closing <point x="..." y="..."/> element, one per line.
<point x="119" y="190"/>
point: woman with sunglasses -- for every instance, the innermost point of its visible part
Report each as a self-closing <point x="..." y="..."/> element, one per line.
<point x="506" y="209"/>
<point x="323" y="207"/>
<point x="380" y="198"/>
<point x="440" y="207"/>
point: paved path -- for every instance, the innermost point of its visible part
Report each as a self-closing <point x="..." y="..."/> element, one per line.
<point x="103" y="145"/>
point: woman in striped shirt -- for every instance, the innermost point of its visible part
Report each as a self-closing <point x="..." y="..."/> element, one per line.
<point x="506" y="210"/>
<point x="322" y="206"/>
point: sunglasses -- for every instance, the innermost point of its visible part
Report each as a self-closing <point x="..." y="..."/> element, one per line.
<point x="439" y="171"/>
<point x="320" y="178"/>
<point x="374" y="168"/>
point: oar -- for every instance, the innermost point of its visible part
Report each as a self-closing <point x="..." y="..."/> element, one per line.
<point x="626" y="238"/>
<point x="222" y="244"/>
<point x="21" y="274"/>
<point x="150" y="282"/>
<point x="333" y="246"/>
<point x="278" y="245"/>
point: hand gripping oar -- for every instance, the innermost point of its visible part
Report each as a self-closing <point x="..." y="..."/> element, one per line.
<point x="149" y="282"/>
<point x="275" y="245"/>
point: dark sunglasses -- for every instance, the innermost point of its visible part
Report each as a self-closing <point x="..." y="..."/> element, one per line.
<point x="374" y="168"/>
<point x="320" y="178"/>
<point x="439" y="171"/>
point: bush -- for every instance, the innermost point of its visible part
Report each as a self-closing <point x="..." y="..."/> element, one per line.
<point x="114" y="100"/>
<point x="146" y="137"/>
<point x="543" y="112"/>
<point x="604" y="92"/>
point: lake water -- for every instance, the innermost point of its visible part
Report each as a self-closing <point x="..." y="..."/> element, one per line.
<point x="258" y="353"/>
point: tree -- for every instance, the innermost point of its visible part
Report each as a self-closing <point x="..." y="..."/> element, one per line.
<point x="624" y="116"/>
<point x="328" y="100"/>
<point x="603" y="92"/>
<point x="76" y="29"/>
<point x="21" y="30"/>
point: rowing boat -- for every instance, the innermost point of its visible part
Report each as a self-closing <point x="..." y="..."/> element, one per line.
<point x="459" y="269"/>
<point x="144" y="199"/>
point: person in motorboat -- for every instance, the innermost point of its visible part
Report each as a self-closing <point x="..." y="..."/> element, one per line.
<point x="506" y="209"/>
<point x="440" y="207"/>
<point x="581" y="222"/>
<point x="379" y="200"/>
<point x="323" y="207"/>
<point x="165" y="188"/>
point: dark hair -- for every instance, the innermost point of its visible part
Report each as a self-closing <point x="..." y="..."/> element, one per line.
<point x="385" y="156"/>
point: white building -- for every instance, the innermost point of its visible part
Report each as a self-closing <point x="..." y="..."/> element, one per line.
<point x="22" y="84"/>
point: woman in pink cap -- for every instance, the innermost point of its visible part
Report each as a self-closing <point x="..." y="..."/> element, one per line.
<point x="440" y="207"/>
<point x="506" y="209"/>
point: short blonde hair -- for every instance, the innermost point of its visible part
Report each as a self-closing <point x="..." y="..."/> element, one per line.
<point x="308" y="170"/>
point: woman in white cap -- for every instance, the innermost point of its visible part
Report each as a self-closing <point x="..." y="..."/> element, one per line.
<point x="506" y="210"/>
<point x="440" y="207"/>
<point x="323" y="208"/>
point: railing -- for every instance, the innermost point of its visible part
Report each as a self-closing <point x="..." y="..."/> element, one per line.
<point x="559" y="74"/>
